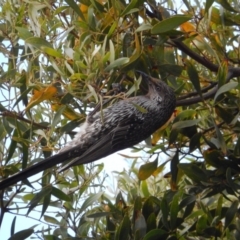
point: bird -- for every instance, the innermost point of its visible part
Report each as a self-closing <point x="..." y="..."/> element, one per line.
<point x="118" y="126"/>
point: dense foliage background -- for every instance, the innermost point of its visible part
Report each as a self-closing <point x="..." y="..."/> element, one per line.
<point x="61" y="58"/>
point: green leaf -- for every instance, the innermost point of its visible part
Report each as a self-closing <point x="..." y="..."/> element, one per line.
<point x="99" y="214"/>
<point x="189" y="209"/>
<point x="174" y="211"/>
<point x="133" y="60"/>
<point x="170" y="24"/>
<point x="13" y="226"/>
<point x="225" y="88"/>
<point x="189" y="113"/>
<point x="195" y="142"/>
<point x="225" y="4"/>
<point x="117" y="63"/>
<point x="186" y="123"/>
<point x="151" y="205"/>
<point x="151" y="222"/>
<point x="201" y="224"/>
<point x="129" y="8"/>
<point x="144" y="27"/>
<point x="193" y="76"/>
<point x="208" y="5"/>
<point x="220" y="139"/>
<point x="124" y="229"/>
<point x="144" y="188"/>
<point x="172" y="69"/>
<point x="231" y="212"/>
<point x="193" y="171"/>
<point x="52" y="52"/>
<point x="165" y="212"/>
<point x="23" y="95"/>
<point x="224" y="113"/>
<point x="89" y="201"/>
<point x="24" y="234"/>
<point x="60" y="194"/>
<point x="186" y="201"/>
<point x="222" y="74"/>
<point x="38" y="197"/>
<point x="12" y="146"/>
<point x="46" y="202"/>
<point x="93" y="92"/>
<point x="38" y="42"/>
<point x="24" y="33"/>
<point x="75" y="8"/>
<point x="57" y="116"/>
<point x="218" y="211"/>
<point x="24" y="155"/>
<point x="51" y="220"/>
<point x="146" y="170"/>
<point x="174" y="168"/>
<point x="156" y="234"/>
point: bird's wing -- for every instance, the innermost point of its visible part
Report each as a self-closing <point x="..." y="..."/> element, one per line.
<point x="107" y="145"/>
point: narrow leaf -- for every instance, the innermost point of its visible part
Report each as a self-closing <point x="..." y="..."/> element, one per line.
<point x="208" y="5"/>
<point x="124" y="229"/>
<point x="38" y="42"/>
<point x="193" y="171"/>
<point x="156" y="234"/>
<point x="75" y="8"/>
<point x="60" y="194"/>
<point x="193" y="75"/>
<point x="129" y="7"/>
<point x="52" y="52"/>
<point x="221" y="139"/>
<point x="89" y="201"/>
<point x="51" y="220"/>
<point x="57" y="117"/>
<point x="174" y="171"/>
<point x="184" y="124"/>
<point x="165" y="212"/>
<point x="146" y="170"/>
<point x="231" y="212"/>
<point x="170" y="24"/>
<point x="13" y="226"/>
<point x="12" y="146"/>
<point x="225" y="88"/>
<point x="222" y="74"/>
<point x="174" y="211"/>
<point x="38" y="197"/>
<point x="117" y="63"/>
<point x="46" y="202"/>
<point x="24" y="234"/>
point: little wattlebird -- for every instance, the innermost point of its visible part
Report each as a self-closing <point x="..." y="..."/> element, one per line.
<point x="116" y="127"/>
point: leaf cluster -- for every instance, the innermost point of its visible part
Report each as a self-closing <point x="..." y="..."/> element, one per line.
<point x="65" y="58"/>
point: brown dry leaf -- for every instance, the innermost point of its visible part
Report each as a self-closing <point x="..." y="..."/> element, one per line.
<point x="47" y="93"/>
<point x="188" y="27"/>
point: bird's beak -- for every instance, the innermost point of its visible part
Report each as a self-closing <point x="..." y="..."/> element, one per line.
<point x="147" y="78"/>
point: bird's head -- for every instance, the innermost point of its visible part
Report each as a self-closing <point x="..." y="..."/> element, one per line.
<point x="156" y="87"/>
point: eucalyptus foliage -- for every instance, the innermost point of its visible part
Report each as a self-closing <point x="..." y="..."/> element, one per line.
<point x="60" y="59"/>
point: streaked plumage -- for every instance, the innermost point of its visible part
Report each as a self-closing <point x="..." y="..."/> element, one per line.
<point x="117" y="127"/>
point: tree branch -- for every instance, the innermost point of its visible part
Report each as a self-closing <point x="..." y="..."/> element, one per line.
<point x="190" y="101"/>
<point x="207" y="95"/>
<point x="205" y="62"/>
